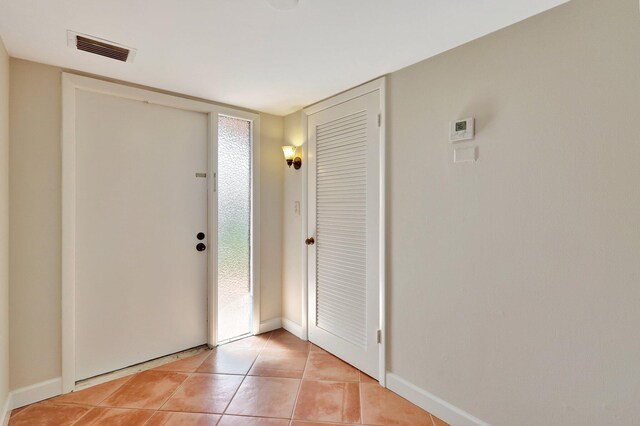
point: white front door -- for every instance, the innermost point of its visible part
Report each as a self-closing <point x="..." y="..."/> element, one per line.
<point x="141" y="284"/>
<point x="344" y="201"/>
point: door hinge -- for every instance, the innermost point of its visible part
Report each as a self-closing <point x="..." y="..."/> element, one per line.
<point x="379" y="119"/>
<point x="215" y="182"/>
<point x="379" y="336"/>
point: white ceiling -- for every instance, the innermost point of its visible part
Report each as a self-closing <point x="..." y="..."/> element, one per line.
<point x="245" y="52"/>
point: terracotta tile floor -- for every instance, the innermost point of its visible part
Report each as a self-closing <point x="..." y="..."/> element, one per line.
<point x="274" y="379"/>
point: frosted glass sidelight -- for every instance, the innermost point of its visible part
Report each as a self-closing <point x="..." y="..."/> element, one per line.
<point x="234" y="228"/>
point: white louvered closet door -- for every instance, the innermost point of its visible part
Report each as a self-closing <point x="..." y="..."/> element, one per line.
<point x="344" y="219"/>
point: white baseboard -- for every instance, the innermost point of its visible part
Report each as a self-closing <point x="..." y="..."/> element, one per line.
<point x="428" y="401"/>
<point x="292" y="328"/>
<point x="270" y="325"/>
<point x="5" y="414"/>
<point x="276" y="323"/>
<point x="35" y="393"/>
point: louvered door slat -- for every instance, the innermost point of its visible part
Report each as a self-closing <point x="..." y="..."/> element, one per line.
<point x="340" y="121"/>
<point x="342" y="195"/>
<point x="344" y="165"/>
<point x="345" y="142"/>
<point x="356" y="121"/>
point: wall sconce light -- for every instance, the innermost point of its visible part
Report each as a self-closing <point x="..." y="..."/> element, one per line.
<point x="290" y="156"/>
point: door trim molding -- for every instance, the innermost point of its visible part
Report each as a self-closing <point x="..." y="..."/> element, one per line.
<point x="372" y="86"/>
<point x="255" y="217"/>
<point x="70" y="84"/>
<point x="304" y="279"/>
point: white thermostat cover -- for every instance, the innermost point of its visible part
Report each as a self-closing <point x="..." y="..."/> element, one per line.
<point x="462" y="130"/>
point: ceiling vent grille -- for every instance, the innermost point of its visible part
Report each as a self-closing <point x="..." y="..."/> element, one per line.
<point x="100" y="47"/>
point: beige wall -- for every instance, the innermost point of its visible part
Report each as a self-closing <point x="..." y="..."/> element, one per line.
<point x="36" y="221"/>
<point x="514" y="282"/>
<point x="271" y="160"/>
<point x="292" y="244"/>
<point x="4" y="227"/>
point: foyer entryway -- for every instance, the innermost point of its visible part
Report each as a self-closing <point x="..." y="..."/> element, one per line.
<point x="274" y="379"/>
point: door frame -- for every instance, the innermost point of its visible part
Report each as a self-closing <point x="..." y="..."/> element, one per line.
<point x="71" y="83"/>
<point x="379" y="85"/>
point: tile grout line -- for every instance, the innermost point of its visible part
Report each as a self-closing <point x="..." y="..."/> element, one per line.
<point x="196" y="370"/>
<point x="129" y="378"/>
<point x="240" y="385"/>
<point x="157" y="410"/>
<point x="360" y="397"/>
<point x="344" y="399"/>
<point x="189" y="373"/>
<point x="295" y="403"/>
<point x="116" y="390"/>
<point x="82" y="416"/>
<point x="244" y="378"/>
<point x="92" y="407"/>
<point x="175" y="390"/>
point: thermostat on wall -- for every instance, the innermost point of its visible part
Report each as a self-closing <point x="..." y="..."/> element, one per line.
<point x="462" y="130"/>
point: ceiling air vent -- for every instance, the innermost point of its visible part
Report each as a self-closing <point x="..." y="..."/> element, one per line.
<point x="100" y="47"/>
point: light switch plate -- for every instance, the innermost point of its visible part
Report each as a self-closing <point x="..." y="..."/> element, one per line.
<point x="462" y="130"/>
<point x="465" y="155"/>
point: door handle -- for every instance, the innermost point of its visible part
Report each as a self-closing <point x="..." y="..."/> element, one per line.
<point x="201" y="247"/>
<point x="309" y="241"/>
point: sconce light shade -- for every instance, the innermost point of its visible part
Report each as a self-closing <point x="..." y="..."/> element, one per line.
<point x="290" y="157"/>
<point x="289" y="152"/>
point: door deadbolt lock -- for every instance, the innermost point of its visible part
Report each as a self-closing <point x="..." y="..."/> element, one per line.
<point x="200" y="236"/>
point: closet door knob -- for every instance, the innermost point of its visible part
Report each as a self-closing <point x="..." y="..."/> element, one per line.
<point x="309" y="241"/>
